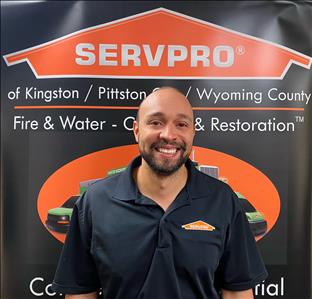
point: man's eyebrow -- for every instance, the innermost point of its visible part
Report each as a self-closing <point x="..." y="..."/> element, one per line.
<point x="155" y="114"/>
<point x="182" y="115"/>
<point x="179" y="115"/>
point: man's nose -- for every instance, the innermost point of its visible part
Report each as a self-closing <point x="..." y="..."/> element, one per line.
<point x="168" y="132"/>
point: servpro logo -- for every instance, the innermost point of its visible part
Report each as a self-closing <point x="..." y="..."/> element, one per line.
<point x="199" y="225"/>
<point x="141" y="55"/>
<point x="159" y="44"/>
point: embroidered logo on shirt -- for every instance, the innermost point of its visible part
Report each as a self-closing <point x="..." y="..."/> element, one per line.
<point x="199" y="225"/>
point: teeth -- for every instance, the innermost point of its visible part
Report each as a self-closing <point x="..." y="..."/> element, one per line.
<point x="168" y="151"/>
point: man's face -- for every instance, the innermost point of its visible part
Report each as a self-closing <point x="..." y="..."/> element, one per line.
<point x="165" y="131"/>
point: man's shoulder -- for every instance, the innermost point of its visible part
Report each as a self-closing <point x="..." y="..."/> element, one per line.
<point x="213" y="189"/>
<point x="99" y="194"/>
<point x="204" y="183"/>
<point x="107" y="185"/>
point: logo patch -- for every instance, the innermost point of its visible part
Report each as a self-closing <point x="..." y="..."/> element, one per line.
<point x="199" y="225"/>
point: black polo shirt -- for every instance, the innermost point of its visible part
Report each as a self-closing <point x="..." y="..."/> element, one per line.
<point x="124" y="243"/>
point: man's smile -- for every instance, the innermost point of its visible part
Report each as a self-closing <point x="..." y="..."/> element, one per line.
<point x="169" y="151"/>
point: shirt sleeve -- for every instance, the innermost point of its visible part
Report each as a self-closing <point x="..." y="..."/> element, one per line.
<point x="76" y="271"/>
<point x="241" y="266"/>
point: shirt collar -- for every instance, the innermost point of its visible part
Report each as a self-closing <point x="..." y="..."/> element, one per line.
<point x="126" y="188"/>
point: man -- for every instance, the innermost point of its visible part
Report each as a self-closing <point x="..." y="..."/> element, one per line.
<point x="161" y="229"/>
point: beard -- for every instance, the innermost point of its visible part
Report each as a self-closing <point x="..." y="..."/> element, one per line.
<point x="165" y="167"/>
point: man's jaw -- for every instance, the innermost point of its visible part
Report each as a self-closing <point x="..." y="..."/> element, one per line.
<point x="165" y="158"/>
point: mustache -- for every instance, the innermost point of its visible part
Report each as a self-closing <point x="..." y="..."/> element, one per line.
<point x="163" y="143"/>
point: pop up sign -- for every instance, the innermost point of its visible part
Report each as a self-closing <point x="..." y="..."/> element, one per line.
<point x="73" y="76"/>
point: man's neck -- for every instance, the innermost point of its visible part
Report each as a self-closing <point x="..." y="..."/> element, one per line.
<point x="162" y="189"/>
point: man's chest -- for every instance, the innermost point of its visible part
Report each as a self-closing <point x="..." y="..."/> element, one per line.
<point x="127" y="236"/>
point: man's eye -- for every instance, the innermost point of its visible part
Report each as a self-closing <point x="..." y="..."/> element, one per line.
<point x="155" y="123"/>
<point x="182" y="125"/>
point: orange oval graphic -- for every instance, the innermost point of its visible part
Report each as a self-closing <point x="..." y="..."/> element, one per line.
<point x="62" y="188"/>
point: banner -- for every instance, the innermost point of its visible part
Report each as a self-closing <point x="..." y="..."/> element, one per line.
<point x="73" y="74"/>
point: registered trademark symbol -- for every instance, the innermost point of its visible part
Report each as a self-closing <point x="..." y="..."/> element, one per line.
<point x="240" y="50"/>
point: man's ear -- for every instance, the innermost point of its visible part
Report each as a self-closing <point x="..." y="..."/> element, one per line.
<point x="136" y="130"/>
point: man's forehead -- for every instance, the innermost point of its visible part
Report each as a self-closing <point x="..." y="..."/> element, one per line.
<point x="164" y="101"/>
<point x="166" y="92"/>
